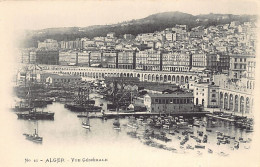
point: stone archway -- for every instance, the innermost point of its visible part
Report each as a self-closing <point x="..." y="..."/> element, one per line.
<point x="178" y="79"/>
<point x="161" y="78"/>
<point x="169" y="78"/>
<point x="236" y="103"/>
<point x="145" y="77"/>
<point x="242" y="104"/>
<point x="221" y="96"/>
<point x="153" y="77"/>
<point x="157" y="78"/>
<point x="149" y="77"/>
<point x="165" y="78"/>
<point x="173" y="78"/>
<point x="186" y="79"/>
<point x="182" y="79"/>
<point x="226" y="101"/>
<point x="231" y="102"/>
<point x="247" y="105"/>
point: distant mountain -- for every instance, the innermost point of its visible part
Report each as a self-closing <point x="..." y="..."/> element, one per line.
<point x="152" y="23"/>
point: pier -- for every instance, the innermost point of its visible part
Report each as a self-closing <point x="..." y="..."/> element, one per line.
<point x="146" y="114"/>
<point x="220" y="118"/>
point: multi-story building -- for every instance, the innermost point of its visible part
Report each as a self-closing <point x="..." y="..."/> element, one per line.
<point x="176" y="61"/>
<point x="67" y="58"/>
<point x="169" y="103"/>
<point x="171" y="36"/>
<point x="223" y="62"/>
<point x="95" y="58"/>
<point x="251" y="62"/>
<point x="109" y="59"/>
<point x="238" y="65"/>
<point x="83" y="59"/>
<point x="128" y="36"/>
<point x="127" y="59"/>
<point x="59" y="79"/>
<point x="206" y="94"/>
<point x="235" y="95"/>
<point x="50" y="57"/>
<point x="205" y="61"/>
<point x="48" y="44"/>
<point x="150" y="60"/>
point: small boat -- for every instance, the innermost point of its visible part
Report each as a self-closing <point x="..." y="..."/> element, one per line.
<point x="222" y="154"/>
<point x="199" y="146"/>
<point x="210" y="151"/>
<point x="131" y="125"/>
<point x="166" y="127"/>
<point x="34" y="137"/>
<point x="86" y="124"/>
<point x="116" y="124"/>
<point x="189" y="147"/>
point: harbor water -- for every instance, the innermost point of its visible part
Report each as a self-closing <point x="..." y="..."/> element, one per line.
<point x="64" y="136"/>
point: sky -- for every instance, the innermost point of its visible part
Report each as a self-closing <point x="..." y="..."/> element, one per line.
<point x="39" y="15"/>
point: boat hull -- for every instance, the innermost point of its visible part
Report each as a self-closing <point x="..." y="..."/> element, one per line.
<point x="36" y="116"/>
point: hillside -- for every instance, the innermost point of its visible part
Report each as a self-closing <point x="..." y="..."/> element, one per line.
<point x="152" y="23"/>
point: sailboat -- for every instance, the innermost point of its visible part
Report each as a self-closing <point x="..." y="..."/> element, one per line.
<point x="86" y="124"/>
<point x="34" y="137"/>
<point x="116" y="123"/>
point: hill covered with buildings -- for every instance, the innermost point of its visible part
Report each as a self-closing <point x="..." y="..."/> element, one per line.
<point x="150" y="24"/>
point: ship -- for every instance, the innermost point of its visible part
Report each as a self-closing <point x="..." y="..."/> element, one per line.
<point x="36" y="115"/>
<point x="22" y="108"/>
<point x="82" y="103"/>
<point x="86" y="124"/>
<point x="34" y="137"/>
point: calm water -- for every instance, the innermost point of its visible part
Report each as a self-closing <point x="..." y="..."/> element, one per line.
<point x="64" y="136"/>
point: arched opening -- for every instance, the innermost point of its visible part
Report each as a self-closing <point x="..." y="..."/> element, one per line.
<point x="221" y="100"/>
<point x="226" y="101"/>
<point x="242" y="105"/>
<point x="236" y="104"/>
<point x="153" y="77"/>
<point x="149" y="77"/>
<point x="186" y="79"/>
<point x="173" y="78"/>
<point x="169" y="78"/>
<point x="182" y="79"/>
<point x="197" y="101"/>
<point x="247" y="105"/>
<point x="161" y="78"/>
<point x="165" y="78"/>
<point x="177" y="79"/>
<point x="145" y="77"/>
<point x="157" y="78"/>
<point x="231" y="103"/>
<point x="138" y="75"/>
<point x="202" y="103"/>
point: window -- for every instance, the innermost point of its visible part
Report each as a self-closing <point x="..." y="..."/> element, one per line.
<point x="156" y="100"/>
<point x="213" y="90"/>
<point x="213" y="95"/>
<point x="163" y="101"/>
<point x="171" y="101"/>
<point x="235" y="59"/>
<point x="241" y="60"/>
<point x="213" y="100"/>
<point x="174" y="101"/>
<point x="202" y="94"/>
